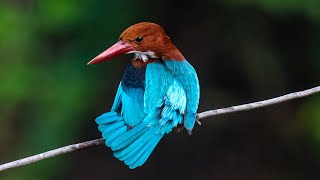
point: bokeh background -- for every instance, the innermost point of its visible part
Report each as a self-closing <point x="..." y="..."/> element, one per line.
<point x="243" y="51"/>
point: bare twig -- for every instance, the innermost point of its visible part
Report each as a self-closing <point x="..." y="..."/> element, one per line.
<point x="268" y="102"/>
<point x="50" y="154"/>
<point x="244" y="107"/>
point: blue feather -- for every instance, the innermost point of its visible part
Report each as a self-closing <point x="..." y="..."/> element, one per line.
<point x="142" y="159"/>
<point x="132" y="106"/>
<point x="128" y="137"/>
<point x="115" y="134"/>
<point x="103" y="127"/>
<point x="135" y="145"/>
<point x="112" y="127"/>
<point x="107" y="118"/>
<point x="142" y="153"/>
<point x="187" y="76"/>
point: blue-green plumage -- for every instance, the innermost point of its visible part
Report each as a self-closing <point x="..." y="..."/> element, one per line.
<point x="149" y="103"/>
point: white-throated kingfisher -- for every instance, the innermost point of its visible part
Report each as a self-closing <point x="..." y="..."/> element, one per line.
<point x="159" y="90"/>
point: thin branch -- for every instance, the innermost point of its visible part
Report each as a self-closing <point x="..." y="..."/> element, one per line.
<point x="232" y="109"/>
<point x="50" y="154"/>
<point x="259" y="104"/>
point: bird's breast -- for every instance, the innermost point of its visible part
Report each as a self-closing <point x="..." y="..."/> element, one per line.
<point x="134" y="75"/>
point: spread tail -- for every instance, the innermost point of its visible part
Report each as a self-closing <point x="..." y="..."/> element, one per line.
<point x="133" y="146"/>
<point x="138" y="147"/>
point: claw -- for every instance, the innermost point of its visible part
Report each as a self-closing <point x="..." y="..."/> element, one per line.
<point x="178" y="129"/>
<point x="199" y="123"/>
<point x="189" y="132"/>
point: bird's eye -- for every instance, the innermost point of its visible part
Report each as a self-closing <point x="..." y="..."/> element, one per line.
<point x="139" y="38"/>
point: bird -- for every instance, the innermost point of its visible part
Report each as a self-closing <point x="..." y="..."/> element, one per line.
<point x="159" y="91"/>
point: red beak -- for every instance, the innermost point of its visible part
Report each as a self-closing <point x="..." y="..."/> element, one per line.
<point x="119" y="48"/>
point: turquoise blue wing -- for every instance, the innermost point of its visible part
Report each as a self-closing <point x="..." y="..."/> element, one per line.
<point x="187" y="76"/>
<point x="164" y="98"/>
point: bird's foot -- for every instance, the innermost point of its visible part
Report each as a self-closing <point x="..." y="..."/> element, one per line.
<point x="178" y="128"/>
<point x="198" y="122"/>
<point x="189" y="132"/>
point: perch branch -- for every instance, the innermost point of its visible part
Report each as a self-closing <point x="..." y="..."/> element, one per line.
<point x="50" y="154"/>
<point x="259" y="104"/>
<point x="232" y="109"/>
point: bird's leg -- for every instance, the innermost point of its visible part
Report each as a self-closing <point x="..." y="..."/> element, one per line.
<point x="197" y="120"/>
<point x="179" y="128"/>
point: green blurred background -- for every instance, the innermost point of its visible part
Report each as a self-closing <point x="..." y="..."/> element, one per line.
<point x="243" y="51"/>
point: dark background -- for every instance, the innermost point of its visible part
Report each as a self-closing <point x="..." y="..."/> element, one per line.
<point x="243" y="52"/>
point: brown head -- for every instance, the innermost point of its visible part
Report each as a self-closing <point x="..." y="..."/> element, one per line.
<point x="146" y="40"/>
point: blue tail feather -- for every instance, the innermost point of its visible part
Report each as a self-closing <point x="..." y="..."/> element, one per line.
<point x="114" y="135"/>
<point x="102" y="127"/>
<point x="131" y="153"/>
<point x="128" y="161"/>
<point x="107" y="118"/>
<point x="143" y="158"/>
<point x="107" y="114"/>
<point x="139" y="153"/>
<point x="118" y="143"/>
<point x="141" y="140"/>
<point x="112" y="127"/>
<point x="129" y="141"/>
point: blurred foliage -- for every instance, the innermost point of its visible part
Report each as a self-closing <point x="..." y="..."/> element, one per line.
<point x="243" y="51"/>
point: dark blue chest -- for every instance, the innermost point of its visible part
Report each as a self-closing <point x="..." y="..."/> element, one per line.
<point x="133" y="77"/>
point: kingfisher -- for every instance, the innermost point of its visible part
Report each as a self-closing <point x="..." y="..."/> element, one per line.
<point x="159" y="91"/>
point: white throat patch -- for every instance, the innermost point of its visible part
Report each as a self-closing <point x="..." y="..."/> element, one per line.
<point x="144" y="56"/>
